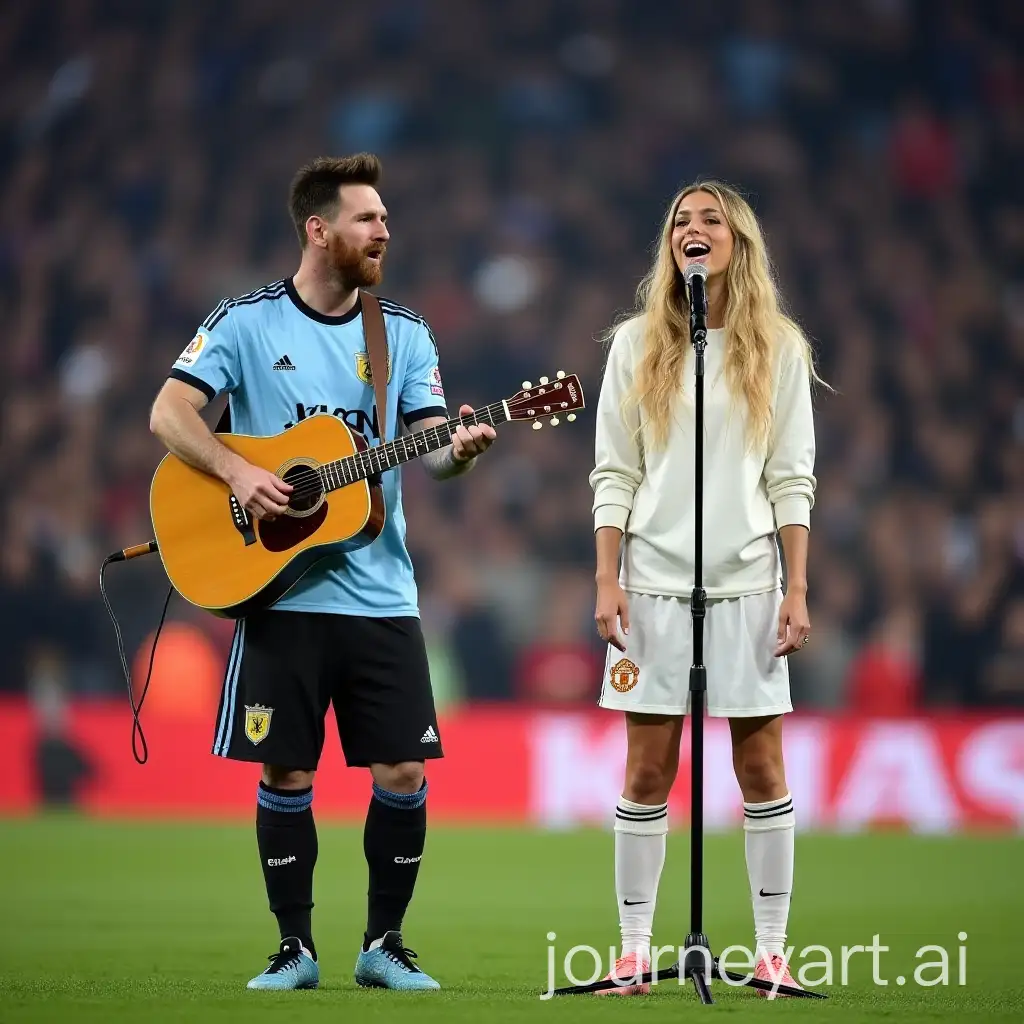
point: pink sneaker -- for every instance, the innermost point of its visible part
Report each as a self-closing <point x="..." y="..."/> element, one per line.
<point x="777" y="972"/>
<point x="626" y="967"/>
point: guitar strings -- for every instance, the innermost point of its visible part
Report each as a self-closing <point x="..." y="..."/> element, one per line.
<point x="307" y="488"/>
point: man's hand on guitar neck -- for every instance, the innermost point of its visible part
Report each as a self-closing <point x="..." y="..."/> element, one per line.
<point x="259" y="491"/>
<point x="469" y="442"/>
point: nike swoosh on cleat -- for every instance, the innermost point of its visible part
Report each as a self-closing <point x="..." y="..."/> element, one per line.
<point x="763" y="893"/>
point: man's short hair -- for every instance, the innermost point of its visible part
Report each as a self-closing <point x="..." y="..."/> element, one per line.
<point x="315" y="186"/>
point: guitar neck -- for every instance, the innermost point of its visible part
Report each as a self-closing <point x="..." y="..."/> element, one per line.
<point x="376" y="460"/>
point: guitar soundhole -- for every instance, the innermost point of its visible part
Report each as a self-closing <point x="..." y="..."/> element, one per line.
<point x="309" y="488"/>
<point x="286" y="532"/>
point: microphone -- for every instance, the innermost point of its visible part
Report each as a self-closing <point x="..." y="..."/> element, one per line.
<point x="695" y="276"/>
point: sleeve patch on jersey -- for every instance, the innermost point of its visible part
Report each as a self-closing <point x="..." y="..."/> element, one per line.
<point x="192" y="350"/>
<point x="436" y="387"/>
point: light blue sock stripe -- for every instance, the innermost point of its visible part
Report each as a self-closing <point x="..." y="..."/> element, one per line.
<point x="226" y="698"/>
<point x="286" y="796"/>
<point x="280" y="802"/>
<point x="403" y="801"/>
<point x="230" y="700"/>
<point x="287" y="807"/>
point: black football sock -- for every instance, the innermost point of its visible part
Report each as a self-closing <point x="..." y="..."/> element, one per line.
<point x="393" y="839"/>
<point x="286" y="835"/>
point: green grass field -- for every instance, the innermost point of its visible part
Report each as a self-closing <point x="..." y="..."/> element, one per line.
<point x="164" y="922"/>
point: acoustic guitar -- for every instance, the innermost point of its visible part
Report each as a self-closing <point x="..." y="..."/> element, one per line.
<point x="220" y="558"/>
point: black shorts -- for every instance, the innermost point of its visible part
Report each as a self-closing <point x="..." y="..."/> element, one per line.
<point x="285" y="670"/>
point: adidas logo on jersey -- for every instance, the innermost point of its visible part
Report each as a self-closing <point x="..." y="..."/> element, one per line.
<point x="429" y="736"/>
<point x="284" y="363"/>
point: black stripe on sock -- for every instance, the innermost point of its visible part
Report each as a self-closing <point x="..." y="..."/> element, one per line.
<point x="752" y="812"/>
<point x="653" y="812"/>
<point x="647" y="817"/>
<point x="769" y="814"/>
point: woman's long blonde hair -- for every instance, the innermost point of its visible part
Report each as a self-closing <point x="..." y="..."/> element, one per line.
<point x="754" y="323"/>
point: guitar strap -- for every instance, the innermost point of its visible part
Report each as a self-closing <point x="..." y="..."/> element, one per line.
<point x="377" y="351"/>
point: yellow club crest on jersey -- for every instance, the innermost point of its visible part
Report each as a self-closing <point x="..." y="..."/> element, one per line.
<point x="363" y="371"/>
<point x="257" y="722"/>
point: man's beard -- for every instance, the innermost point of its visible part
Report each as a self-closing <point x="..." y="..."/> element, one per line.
<point x="354" y="267"/>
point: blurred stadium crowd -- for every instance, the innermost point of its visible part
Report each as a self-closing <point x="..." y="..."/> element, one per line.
<point x="529" y="149"/>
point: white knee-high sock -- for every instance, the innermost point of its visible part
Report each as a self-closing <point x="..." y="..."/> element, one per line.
<point x="769" y="834"/>
<point x="640" y="838"/>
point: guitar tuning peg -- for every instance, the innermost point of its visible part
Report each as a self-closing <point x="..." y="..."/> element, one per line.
<point x="527" y="385"/>
<point x="554" y="421"/>
<point x="560" y="374"/>
<point x="537" y="424"/>
<point x="571" y="417"/>
<point x="543" y="380"/>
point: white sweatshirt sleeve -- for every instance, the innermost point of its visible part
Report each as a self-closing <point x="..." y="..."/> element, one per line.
<point x="789" y="469"/>
<point x="618" y="466"/>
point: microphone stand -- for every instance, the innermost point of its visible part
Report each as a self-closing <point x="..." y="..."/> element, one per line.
<point x="697" y="960"/>
<point x="698" y="964"/>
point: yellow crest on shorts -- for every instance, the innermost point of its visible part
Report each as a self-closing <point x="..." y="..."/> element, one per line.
<point x="624" y="675"/>
<point x="363" y="371"/>
<point x="257" y="722"/>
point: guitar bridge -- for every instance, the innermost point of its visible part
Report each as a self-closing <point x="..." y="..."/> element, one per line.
<point x="243" y="521"/>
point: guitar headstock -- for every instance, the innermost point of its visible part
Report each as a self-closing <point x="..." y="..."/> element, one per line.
<point x="555" y="398"/>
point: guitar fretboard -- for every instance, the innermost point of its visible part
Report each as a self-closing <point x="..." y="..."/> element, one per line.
<point x="386" y="456"/>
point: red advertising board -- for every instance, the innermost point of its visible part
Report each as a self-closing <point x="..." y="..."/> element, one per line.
<point x="558" y="768"/>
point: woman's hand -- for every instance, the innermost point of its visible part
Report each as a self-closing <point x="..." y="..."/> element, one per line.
<point x="794" y="624"/>
<point x="611" y="611"/>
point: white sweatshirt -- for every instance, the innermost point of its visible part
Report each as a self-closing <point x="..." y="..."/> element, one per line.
<point x="649" y="493"/>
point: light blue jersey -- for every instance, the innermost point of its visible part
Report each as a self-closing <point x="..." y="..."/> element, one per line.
<point x="280" y="361"/>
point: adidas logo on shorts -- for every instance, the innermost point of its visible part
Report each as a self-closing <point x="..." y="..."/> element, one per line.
<point x="429" y="736"/>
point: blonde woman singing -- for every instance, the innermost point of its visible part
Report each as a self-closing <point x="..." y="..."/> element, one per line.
<point x="758" y="482"/>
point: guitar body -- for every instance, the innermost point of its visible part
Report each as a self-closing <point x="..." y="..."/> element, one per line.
<point x="219" y="558"/>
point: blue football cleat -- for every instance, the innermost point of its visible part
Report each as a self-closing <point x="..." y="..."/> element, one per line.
<point x="389" y="965"/>
<point x="291" y="967"/>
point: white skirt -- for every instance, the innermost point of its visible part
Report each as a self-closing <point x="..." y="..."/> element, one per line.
<point x="745" y="679"/>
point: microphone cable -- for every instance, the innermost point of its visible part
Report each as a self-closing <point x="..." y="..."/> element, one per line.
<point x="138" y="736"/>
